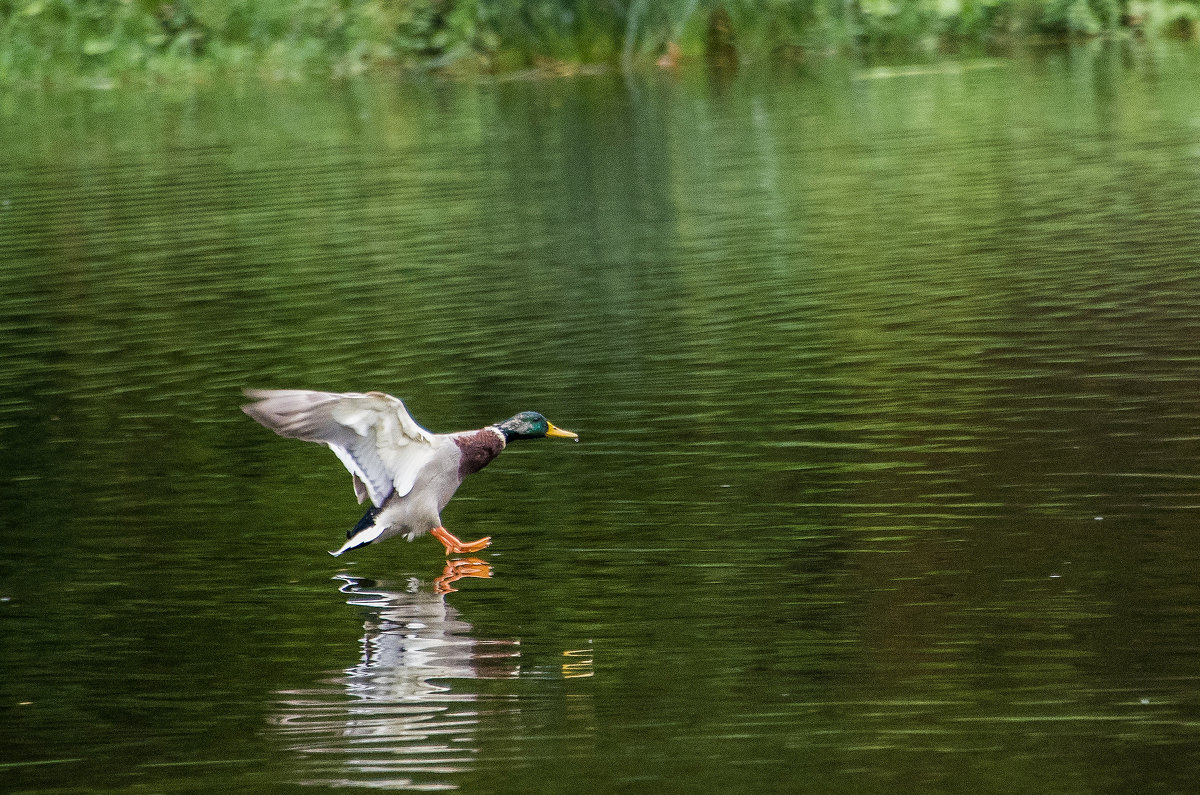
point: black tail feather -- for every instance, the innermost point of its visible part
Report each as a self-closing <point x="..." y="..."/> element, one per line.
<point x="363" y="523"/>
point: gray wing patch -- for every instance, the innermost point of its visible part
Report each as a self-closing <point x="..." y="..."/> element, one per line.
<point x="372" y="434"/>
<point x="371" y="480"/>
<point x="360" y="490"/>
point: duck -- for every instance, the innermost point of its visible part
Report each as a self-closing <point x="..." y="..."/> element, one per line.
<point x="408" y="473"/>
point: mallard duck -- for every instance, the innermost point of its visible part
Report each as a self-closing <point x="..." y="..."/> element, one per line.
<point x="408" y="473"/>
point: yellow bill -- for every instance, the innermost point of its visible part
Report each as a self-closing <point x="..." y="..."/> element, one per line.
<point x="556" y="431"/>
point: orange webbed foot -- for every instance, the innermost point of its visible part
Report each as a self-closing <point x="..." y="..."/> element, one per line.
<point x="457" y="569"/>
<point x="455" y="546"/>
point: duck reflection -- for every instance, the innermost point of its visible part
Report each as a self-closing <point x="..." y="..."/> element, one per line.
<point x="401" y="717"/>
<point x="457" y="569"/>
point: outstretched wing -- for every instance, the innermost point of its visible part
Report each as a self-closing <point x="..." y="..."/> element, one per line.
<point x="372" y="434"/>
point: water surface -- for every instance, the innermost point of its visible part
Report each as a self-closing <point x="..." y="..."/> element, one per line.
<point x="890" y="472"/>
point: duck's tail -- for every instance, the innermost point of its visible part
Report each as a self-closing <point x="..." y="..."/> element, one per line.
<point x="362" y="533"/>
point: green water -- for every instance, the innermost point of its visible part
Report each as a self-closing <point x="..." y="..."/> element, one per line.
<point x="887" y="383"/>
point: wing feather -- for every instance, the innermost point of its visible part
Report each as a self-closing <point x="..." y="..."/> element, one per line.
<point x="372" y="434"/>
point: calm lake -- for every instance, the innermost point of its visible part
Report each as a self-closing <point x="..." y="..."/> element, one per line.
<point x="888" y="384"/>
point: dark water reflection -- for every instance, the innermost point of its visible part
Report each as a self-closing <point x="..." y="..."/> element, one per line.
<point x="887" y="380"/>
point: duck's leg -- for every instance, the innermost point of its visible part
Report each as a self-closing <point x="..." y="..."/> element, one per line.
<point x="456" y="547"/>
<point x="457" y="569"/>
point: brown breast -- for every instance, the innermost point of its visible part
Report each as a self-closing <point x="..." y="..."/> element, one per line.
<point x="478" y="449"/>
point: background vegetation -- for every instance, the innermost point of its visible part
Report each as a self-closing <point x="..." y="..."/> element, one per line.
<point x="114" y="39"/>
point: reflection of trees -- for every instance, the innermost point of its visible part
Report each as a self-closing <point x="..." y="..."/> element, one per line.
<point x="396" y="718"/>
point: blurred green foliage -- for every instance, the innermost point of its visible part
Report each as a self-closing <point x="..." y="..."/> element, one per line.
<point x="110" y="39"/>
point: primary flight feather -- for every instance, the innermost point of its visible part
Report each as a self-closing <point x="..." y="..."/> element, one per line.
<point x="408" y="473"/>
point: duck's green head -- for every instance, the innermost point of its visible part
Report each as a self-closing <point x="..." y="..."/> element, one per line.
<point x="531" y="425"/>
